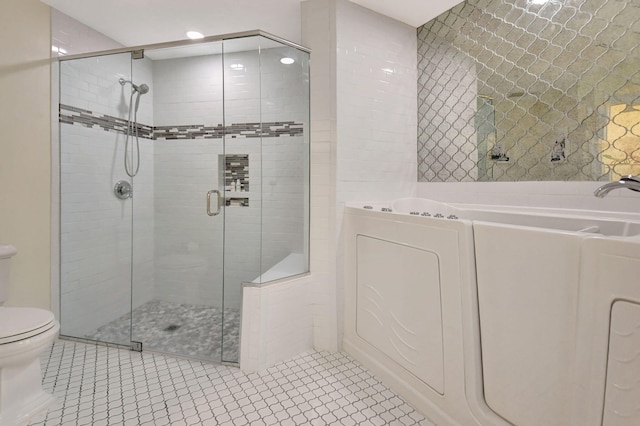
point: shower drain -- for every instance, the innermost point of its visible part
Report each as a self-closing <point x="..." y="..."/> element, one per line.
<point x="172" y="327"/>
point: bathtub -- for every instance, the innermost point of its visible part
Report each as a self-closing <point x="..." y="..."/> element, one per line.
<point x="484" y="315"/>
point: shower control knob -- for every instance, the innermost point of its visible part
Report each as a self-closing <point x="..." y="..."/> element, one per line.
<point x="123" y="190"/>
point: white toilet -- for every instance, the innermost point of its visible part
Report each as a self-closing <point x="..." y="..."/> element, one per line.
<point x="24" y="334"/>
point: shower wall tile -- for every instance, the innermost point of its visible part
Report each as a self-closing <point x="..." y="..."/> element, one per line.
<point x="93" y="84"/>
<point x="188" y="242"/>
<point x="277" y="223"/>
<point x="142" y="72"/>
<point x="143" y="241"/>
<point x="188" y="91"/>
<point x="283" y="192"/>
<point x="283" y="87"/>
<point x="185" y="172"/>
<point x="181" y="99"/>
<point x="96" y="260"/>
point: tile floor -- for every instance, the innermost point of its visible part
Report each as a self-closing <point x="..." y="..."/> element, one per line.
<point x="100" y="385"/>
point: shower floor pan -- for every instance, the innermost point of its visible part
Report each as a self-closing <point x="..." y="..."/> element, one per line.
<point x="176" y="328"/>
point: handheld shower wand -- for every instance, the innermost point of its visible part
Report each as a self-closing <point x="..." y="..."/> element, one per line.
<point x="132" y="127"/>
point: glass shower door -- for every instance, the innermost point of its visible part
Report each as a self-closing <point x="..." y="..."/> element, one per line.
<point x="178" y="214"/>
<point x="95" y="225"/>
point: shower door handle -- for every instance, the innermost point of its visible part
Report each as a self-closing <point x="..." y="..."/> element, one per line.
<point x="217" y="212"/>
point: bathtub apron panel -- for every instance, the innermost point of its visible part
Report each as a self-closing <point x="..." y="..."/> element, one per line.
<point x="527" y="294"/>
<point x="403" y="316"/>
<point x="398" y="307"/>
<point x="622" y="390"/>
<point x="608" y="353"/>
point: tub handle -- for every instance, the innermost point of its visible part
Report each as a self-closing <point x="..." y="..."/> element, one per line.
<point x="217" y="212"/>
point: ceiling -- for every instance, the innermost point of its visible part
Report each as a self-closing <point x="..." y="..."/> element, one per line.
<point x="140" y="22"/>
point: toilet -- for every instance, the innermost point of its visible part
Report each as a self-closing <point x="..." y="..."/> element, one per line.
<point x="25" y="333"/>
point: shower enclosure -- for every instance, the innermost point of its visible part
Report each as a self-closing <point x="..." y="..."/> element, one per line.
<point x="184" y="173"/>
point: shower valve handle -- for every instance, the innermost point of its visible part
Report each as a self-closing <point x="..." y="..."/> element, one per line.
<point x="217" y="212"/>
<point x="123" y="190"/>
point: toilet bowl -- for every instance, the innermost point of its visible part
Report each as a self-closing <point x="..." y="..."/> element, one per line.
<point x="25" y="333"/>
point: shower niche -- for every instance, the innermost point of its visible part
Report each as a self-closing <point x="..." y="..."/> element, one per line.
<point x="207" y="128"/>
<point x="236" y="179"/>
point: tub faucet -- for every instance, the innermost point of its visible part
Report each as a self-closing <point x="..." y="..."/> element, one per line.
<point x="629" y="182"/>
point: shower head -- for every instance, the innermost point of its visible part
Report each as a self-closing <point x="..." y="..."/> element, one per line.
<point x="142" y="89"/>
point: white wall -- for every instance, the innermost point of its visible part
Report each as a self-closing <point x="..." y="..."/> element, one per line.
<point x="363" y="94"/>
<point x="319" y="34"/>
<point x="71" y="37"/>
<point x="25" y="151"/>
<point x="376" y="105"/>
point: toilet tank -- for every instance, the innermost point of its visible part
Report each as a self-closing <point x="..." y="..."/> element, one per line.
<point x="6" y="253"/>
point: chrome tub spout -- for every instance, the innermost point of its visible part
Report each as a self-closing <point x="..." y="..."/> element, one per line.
<point x="629" y="182"/>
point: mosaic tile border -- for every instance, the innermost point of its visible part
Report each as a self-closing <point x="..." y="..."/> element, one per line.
<point x="82" y="117"/>
<point x="78" y="116"/>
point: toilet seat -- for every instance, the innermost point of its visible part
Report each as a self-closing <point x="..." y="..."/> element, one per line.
<point x="21" y="323"/>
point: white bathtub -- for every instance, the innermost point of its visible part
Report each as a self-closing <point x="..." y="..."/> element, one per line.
<point x="485" y="314"/>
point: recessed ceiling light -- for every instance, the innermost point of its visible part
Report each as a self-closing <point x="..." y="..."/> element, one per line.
<point x="236" y="66"/>
<point x="287" y="61"/>
<point x="194" y="35"/>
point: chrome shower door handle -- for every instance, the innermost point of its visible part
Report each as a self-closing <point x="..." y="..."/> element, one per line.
<point x="217" y="212"/>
